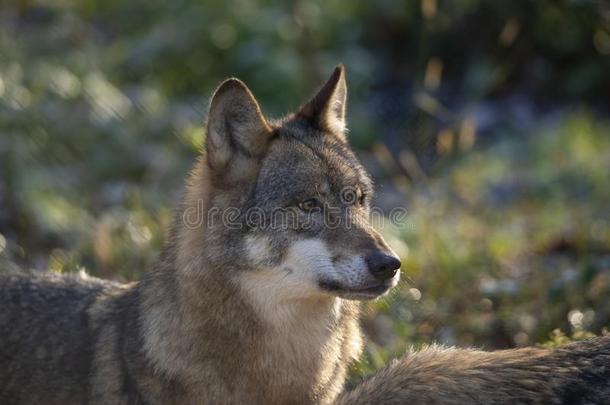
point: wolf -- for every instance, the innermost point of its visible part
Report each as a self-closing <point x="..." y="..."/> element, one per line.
<point x="255" y="303"/>
<point x="255" y="295"/>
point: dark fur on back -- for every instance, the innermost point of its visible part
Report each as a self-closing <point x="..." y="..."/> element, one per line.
<point x="47" y="339"/>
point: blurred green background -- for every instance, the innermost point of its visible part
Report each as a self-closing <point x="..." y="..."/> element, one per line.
<point x="488" y="121"/>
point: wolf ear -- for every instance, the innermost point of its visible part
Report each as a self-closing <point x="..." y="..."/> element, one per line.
<point x="326" y="110"/>
<point x="236" y="127"/>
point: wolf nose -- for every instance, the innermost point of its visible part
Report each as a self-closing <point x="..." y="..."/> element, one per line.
<point x="382" y="266"/>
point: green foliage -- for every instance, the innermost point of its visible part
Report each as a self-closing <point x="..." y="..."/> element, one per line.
<point x="557" y="338"/>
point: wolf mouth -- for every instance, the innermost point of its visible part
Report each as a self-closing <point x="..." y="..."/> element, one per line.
<point x="366" y="293"/>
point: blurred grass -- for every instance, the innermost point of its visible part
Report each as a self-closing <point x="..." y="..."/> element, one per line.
<point x="488" y="121"/>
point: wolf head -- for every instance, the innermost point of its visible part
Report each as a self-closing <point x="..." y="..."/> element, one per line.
<point x="287" y="202"/>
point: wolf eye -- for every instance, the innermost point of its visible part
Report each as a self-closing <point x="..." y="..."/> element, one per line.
<point x="362" y="199"/>
<point x="309" y="205"/>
